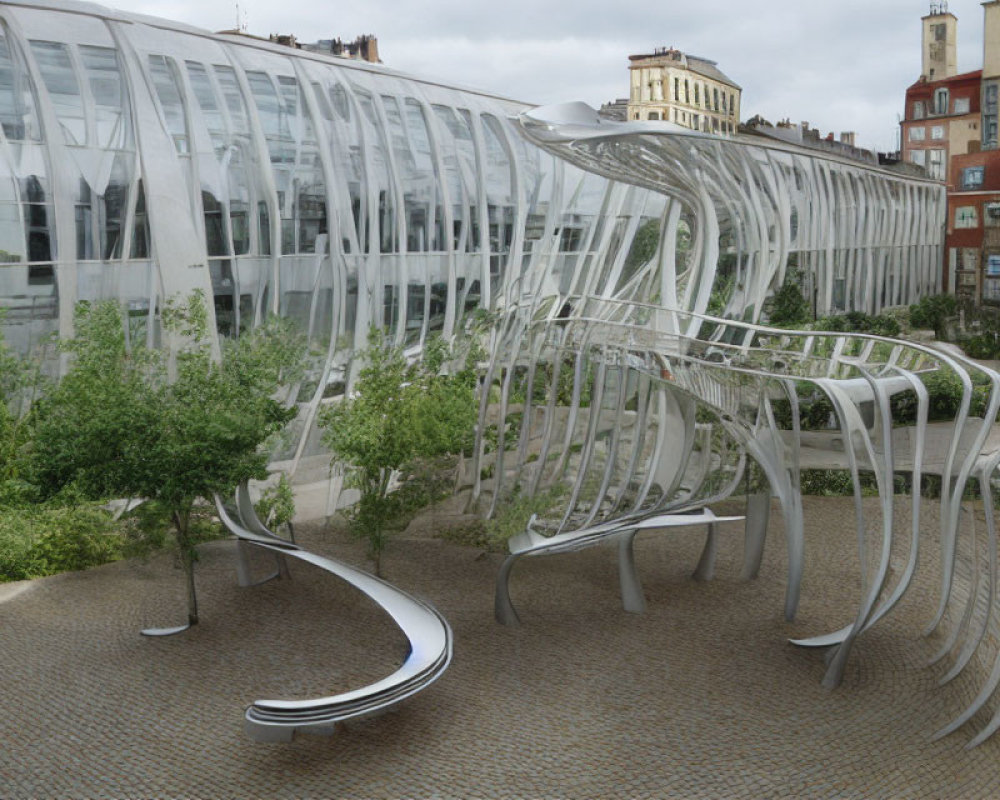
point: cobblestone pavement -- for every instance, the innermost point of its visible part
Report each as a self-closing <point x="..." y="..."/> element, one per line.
<point x="701" y="696"/>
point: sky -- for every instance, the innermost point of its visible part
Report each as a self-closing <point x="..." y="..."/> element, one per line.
<point x="841" y="66"/>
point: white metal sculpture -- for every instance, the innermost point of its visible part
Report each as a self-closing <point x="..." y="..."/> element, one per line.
<point x="428" y="636"/>
<point x="140" y="159"/>
<point x="649" y="369"/>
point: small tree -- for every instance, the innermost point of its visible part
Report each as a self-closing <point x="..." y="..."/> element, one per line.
<point x="121" y="424"/>
<point x="399" y="414"/>
<point x="788" y="307"/>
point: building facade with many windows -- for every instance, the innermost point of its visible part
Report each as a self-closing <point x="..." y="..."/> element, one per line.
<point x="950" y="129"/>
<point x="690" y="91"/>
<point x="942" y="119"/>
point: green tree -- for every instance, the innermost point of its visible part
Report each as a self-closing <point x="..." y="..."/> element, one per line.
<point x="933" y="311"/>
<point x="399" y="417"/>
<point x="788" y="306"/>
<point x="135" y="423"/>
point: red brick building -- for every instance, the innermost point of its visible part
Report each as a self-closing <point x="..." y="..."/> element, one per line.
<point x="972" y="240"/>
<point x="941" y="120"/>
<point x="950" y="129"/>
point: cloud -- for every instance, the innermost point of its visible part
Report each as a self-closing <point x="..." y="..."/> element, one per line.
<point x="841" y="66"/>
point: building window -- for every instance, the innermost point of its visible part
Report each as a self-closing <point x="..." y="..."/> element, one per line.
<point x="961" y="105"/>
<point x="941" y="101"/>
<point x="935" y="164"/>
<point x="990" y="112"/>
<point x="972" y="177"/>
<point x="697" y="94"/>
<point x="677" y="90"/>
<point x="918" y="109"/>
<point x="970" y="259"/>
<point x="937" y="132"/>
<point x="655" y="115"/>
<point x="917" y="134"/>
<point x="918" y="157"/>
<point x="965" y="217"/>
<point x="992" y="264"/>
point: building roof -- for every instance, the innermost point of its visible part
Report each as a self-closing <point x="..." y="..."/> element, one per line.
<point x="976" y="74"/>
<point x="703" y="66"/>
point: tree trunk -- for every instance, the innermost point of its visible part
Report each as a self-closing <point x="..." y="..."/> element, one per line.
<point x="188" y="557"/>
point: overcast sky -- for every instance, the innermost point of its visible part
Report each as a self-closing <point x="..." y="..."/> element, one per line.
<point x="840" y="65"/>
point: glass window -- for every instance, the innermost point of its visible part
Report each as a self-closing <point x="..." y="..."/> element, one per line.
<point x="965" y="217"/>
<point x="961" y="105"/>
<point x="972" y="177"/>
<point x="918" y="157"/>
<point x="918" y="109"/>
<point x="215" y="237"/>
<point x="235" y="104"/>
<point x="37" y="213"/>
<point x="167" y="86"/>
<point x="64" y="91"/>
<point x="935" y="164"/>
<point x="100" y="65"/>
<point x="992" y="263"/>
<point x="211" y="113"/>
<point x="140" y="226"/>
<point x="937" y="132"/>
<point x="917" y="134"/>
<point x="17" y="97"/>
<point x="969" y="258"/>
<point x="941" y="101"/>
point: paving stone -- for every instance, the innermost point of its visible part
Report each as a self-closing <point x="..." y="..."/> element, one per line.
<point x="701" y="696"/>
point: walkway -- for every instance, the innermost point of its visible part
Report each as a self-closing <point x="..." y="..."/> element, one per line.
<point x="699" y="697"/>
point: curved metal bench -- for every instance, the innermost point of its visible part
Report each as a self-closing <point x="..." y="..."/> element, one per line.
<point x="532" y="543"/>
<point x="428" y="635"/>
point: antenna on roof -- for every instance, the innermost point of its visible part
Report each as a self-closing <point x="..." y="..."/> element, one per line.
<point x="241" y="23"/>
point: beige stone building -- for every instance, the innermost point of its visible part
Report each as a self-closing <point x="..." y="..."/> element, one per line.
<point x="690" y="91"/>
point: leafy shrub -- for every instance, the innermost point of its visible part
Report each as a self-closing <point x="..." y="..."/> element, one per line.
<point x="815" y="410"/>
<point x="983" y="346"/>
<point x="859" y="322"/>
<point x="276" y="506"/>
<point x="45" y="540"/>
<point x="511" y="519"/>
<point x="932" y="311"/>
<point x="945" y="390"/>
<point x="836" y="483"/>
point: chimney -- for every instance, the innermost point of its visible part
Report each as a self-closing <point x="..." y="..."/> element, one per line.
<point x="939" y="36"/>
<point x="991" y="39"/>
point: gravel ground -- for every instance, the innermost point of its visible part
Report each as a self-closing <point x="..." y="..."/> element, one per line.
<point x="701" y="696"/>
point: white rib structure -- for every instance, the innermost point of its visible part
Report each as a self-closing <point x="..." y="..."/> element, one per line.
<point x="642" y="408"/>
<point x="626" y="268"/>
